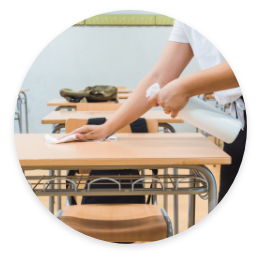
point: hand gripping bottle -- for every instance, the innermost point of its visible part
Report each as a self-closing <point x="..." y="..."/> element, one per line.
<point x="206" y="117"/>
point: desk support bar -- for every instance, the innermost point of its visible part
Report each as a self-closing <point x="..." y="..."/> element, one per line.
<point x="165" y="197"/>
<point x="175" y="206"/>
<point x="192" y="200"/>
<point x="51" y="198"/>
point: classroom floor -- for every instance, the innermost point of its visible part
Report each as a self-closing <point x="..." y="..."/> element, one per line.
<point x="201" y="205"/>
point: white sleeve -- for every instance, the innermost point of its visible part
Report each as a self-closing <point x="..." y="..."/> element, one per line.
<point x="178" y="34"/>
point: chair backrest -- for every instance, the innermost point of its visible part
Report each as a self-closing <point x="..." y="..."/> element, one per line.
<point x="72" y="124"/>
<point x="98" y="106"/>
<point x="152" y="127"/>
<point x="121" y="87"/>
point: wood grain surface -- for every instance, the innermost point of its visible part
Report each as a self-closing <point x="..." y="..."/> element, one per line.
<point x="60" y="117"/>
<point x="134" y="151"/>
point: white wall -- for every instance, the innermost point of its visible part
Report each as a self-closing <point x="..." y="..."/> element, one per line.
<point x="89" y="55"/>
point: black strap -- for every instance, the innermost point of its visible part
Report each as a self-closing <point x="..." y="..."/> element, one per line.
<point x="155" y="172"/>
<point x="97" y="121"/>
<point x="139" y="126"/>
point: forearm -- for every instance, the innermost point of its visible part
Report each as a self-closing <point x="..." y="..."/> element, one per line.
<point x="219" y="77"/>
<point x="170" y="65"/>
<point x="135" y="106"/>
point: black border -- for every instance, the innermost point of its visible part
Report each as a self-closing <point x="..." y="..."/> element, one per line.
<point x="112" y="247"/>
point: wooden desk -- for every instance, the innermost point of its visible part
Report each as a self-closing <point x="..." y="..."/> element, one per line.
<point x="125" y="96"/>
<point x="24" y="90"/>
<point x="134" y="151"/>
<point x="60" y="117"/>
<point x="62" y="103"/>
<point x="124" y="91"/>
<point x="131" y="150"/>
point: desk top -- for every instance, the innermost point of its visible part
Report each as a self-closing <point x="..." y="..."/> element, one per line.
<point x="124" y="96"/>
<point x="60" y="117"/>
<point x="124" y="91"/>
<point x="23" y="90"/>
<point x="61" y="102"/>
<point x="130" y="151"/>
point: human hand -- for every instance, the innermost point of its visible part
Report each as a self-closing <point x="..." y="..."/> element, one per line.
<point x="172" y="98"/>
<point x="89" y="132"/>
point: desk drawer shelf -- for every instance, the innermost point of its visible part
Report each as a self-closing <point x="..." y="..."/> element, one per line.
<point x="162" y="185"/>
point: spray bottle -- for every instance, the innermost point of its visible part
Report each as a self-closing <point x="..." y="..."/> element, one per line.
<point x="206" y="117"/>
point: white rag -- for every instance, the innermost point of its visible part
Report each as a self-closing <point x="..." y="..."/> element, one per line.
<point x="152" y="90"/>
<point x="52" y="140"/>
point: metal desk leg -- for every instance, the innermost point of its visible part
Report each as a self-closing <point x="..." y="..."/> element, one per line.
<point x="70" y="200"/>
<point x="19" y="104"/>
<point x="154" y="197"/>
<point x="167" y="126"/>
<point x="57" y="128"/>
<point x="191" y="219"/>
<point x="165" y="197"/>
<point x="212" y="187"/>
<point x="175" y="207"/>
<point x="26" y="111"/>
<point x="59" y="187"/>
<point x="51" y="198"/>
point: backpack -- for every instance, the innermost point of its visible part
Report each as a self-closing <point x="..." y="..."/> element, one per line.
<point x="99" y="93"/>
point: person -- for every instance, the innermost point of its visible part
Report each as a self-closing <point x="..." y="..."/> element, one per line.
<point x="215" y="76"/>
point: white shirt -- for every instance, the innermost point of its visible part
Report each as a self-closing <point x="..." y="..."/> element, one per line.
<point x="207" y="56"/>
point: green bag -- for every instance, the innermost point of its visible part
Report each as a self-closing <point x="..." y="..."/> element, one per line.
<point x="99" y="93"/>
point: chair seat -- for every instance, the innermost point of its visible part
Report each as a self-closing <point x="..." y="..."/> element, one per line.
<point x="117" y="222"/>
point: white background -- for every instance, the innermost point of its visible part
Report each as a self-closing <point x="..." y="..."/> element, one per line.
<point x="29" y="230"/>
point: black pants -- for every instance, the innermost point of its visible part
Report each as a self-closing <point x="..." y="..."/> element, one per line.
<point x="236" y="150"/>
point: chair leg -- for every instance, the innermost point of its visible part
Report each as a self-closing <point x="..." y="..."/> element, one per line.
<point x="168" y="223"/>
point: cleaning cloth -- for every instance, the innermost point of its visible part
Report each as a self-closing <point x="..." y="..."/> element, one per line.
<point x="52" y="140"/>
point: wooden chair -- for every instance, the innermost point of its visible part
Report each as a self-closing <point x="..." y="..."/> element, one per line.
<point x="102" y="106"/>
<point x="117" y="222"/>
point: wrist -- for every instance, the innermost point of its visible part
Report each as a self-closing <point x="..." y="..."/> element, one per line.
<point x="182" y="88"/>
<point x="108" y="128"/>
